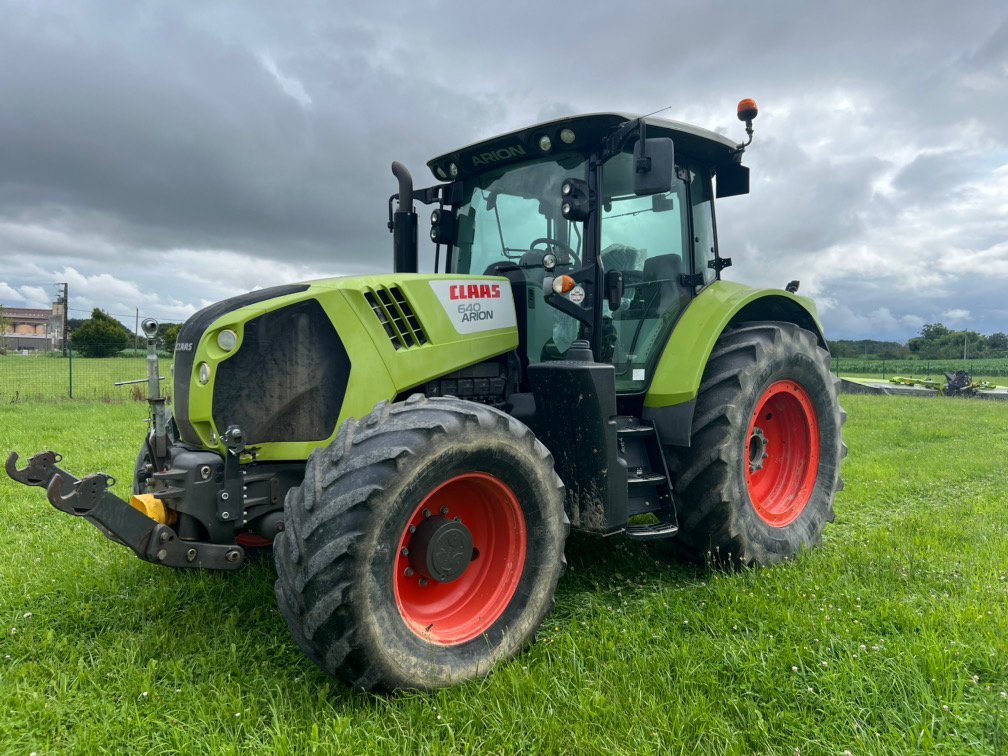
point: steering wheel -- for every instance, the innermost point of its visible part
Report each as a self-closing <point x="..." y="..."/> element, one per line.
<point x="558" y="244"/>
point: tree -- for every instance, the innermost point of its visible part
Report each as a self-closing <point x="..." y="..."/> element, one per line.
<point x="101" y="336"/>
<point x="936" y="342"/>
<point x="934" y="331"/>
<point x="169" y="335"/>
<point x="997" y="343"/>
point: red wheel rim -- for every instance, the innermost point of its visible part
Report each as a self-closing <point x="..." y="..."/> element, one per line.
<point x="458" y="611"/>
<point x="252" y="541"/>
<point x="782" y="460"/>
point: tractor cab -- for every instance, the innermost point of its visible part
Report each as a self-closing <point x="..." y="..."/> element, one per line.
<point x="602" y="223"/>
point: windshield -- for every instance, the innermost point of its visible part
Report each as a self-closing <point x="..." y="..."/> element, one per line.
<point x="513" y="215"/>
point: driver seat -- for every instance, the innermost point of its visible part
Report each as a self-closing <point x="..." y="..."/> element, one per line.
<point x="660" y="290"/>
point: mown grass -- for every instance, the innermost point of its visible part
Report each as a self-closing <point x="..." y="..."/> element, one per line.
<point x="1001" y="382"/>
<point x="890" y="638"/>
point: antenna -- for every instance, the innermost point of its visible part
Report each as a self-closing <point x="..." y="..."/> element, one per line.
<point x="660" y="110"/>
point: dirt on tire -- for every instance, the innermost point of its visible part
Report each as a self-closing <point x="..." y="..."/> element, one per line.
<point x="335" y="558"/>
<point x="718" y="521"/>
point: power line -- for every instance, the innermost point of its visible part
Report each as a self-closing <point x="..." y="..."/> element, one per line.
<point x="14" y="282"/>
<point x="131" y="315"/>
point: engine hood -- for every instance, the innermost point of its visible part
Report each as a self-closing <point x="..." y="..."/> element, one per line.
<point x="308" y="356"/>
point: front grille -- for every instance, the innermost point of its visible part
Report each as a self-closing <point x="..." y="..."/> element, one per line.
<point x="189" y="338"/>
<point x="287" y="380"/>
<point x="396" y="316"/>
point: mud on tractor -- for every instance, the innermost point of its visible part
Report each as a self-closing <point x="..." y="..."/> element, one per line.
<point x="415" y="447"/>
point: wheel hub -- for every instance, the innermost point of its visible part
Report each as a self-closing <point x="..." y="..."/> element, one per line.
<point x="441" y="549"/>
<point x="757" y="449"/>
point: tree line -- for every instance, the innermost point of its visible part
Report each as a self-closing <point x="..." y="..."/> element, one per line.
<point x="935" y="342"/>
<point x="102" y="335"/>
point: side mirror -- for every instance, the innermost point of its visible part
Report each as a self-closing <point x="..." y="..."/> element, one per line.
<point x="614" y="288"/>
<point x="654" y="166"/>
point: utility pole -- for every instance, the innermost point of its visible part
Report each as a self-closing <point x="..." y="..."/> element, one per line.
<point x="136" y="330"/>
<point x="965" y="334"/>
<point x="66" y="309"/>
<point x="66" y="317"/>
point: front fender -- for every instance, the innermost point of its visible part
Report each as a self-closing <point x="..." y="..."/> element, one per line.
<point x="722" y="304"/>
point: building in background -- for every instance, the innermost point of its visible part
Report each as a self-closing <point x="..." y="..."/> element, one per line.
<point x="28" y="329"/>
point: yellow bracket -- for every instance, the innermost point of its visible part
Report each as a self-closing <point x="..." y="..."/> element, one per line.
<point x="154" y="508"/>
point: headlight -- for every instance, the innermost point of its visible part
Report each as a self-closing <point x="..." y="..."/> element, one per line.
<point x="227" y="339"/>
<point x="204" y="374"/>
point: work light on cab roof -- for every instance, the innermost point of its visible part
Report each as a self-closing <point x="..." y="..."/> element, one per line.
<point x="414" y="447"/>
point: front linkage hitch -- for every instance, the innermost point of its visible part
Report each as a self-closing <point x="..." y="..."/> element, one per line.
<point x="90" y="498"/>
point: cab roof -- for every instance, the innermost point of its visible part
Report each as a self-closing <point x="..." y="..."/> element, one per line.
<point x="589" y="130"/>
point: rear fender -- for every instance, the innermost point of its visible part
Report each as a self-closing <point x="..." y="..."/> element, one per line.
<point x="668" y="402"/>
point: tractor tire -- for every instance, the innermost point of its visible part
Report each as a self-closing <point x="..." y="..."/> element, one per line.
<point x="757" y="483"/>
<point x="423" y="547"/>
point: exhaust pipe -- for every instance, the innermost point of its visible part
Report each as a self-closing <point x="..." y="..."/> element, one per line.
<point x="404" y="224"/>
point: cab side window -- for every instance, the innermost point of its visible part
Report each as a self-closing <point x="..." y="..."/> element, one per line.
<point x="703" y="225"/>
<point x="648" y="240"/>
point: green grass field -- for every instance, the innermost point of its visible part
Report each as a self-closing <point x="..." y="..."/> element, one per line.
<point x="890" y="638"/>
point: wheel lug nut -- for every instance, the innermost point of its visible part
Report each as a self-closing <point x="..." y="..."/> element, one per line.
<point x="423" y="581"/>
<point x="412" y="528"/>
<point x="408" y="572"/>
<point x="444" y="510"/>
<point x="426" y="512"/>
<point x="404" y="551"/>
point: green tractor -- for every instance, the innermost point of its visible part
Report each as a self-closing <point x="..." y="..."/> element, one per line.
<point x="415" y="447"/>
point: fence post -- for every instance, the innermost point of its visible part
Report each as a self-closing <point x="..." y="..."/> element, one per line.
<point x="70" y="352"/>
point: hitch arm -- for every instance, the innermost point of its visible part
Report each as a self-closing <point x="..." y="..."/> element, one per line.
<point x="40" y="469"/>
<point x="90" y="498"/>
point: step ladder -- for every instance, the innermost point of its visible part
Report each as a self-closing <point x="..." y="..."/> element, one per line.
<point x="648" y="489"/>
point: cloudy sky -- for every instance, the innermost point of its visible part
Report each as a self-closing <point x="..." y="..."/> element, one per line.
<point x="163" y="156"/>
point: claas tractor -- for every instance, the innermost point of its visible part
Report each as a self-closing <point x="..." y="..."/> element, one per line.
<point x="415" y="447"/>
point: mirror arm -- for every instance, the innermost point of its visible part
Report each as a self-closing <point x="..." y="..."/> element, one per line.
<point x="613" y="143"/>
<point x="643" y="163"/>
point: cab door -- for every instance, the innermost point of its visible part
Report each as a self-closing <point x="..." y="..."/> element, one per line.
<point x="649" y="240"/>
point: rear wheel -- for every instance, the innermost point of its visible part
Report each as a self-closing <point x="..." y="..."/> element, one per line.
<point x="423" y="547"/>
<point x="757" y="483"/>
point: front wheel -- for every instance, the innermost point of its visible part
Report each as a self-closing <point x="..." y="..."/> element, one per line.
<point x="423" y="547"/>
<point x="757" y="483"/>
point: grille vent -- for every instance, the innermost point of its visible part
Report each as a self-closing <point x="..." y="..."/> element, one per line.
<point x="396" y="316"/>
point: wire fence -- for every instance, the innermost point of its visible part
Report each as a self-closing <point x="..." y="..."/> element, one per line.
<point x="866" y="366"/>
<point x="27" y="376"/>
<point x="34" y="376"/>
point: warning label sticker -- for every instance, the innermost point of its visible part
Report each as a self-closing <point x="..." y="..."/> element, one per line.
<point x="475" y="306"/>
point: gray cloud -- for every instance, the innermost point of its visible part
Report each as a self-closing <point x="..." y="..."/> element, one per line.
<point x="190" y="153"/>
